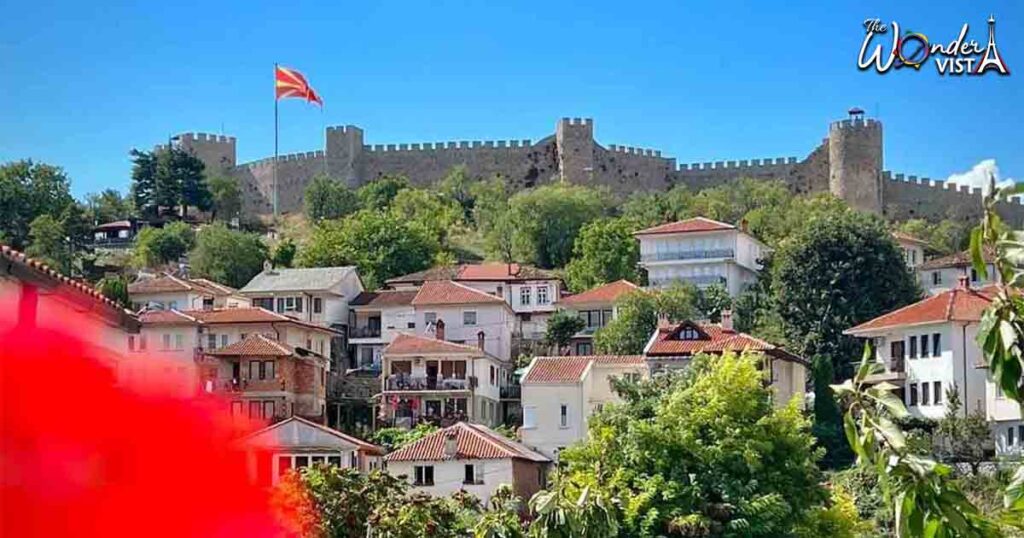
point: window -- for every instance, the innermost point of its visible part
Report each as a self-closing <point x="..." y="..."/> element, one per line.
<point x="470" y="476"/>
<point x="1009" y="436"/>
<point x="924" y="345"/>
<point x="896" y="350"/>
<point x="584" y="348"/>
<point x="268" y="409"/>
<point x="424" y="475"/>
<point x="142" y="343"/>
<point x="237" y="408"/>
<point x="318" y="305"/>
<point x="974" y="275"/>
<point x="429" y="317"/>
<point x="936" y="344"/>
<point x="255" y="409"/>
<point x="410" y="325"/>
<point x="925" y="389"/>
<point x="493" y="376"/>
<point x="937" y="386"/>
<point x="284" y="464"/>
<point x="264" y="302"/>
<point x="542" y="295"/>
<point x="173" y="305"/>
<point x="936" y="278"/>
<point x="131" y="343"/>
<point x="525" y="293"/>
<point x="1020" y="432"/>
<point x="469" y="317"/>
<point x="166" y="343"/>
<point x="207" y="303"/>
<point x="913" y="348"/>
<point x="223" y="340"/>
<point x="301" y="461"/>
<point x="280" y="304"/>
<point x="179" y="342"/>
<point x="211" y="341"/>
<point x="913" y="257"/>
<point x="606" y="316"/>
<point x="563" y="416"/>
<point x="913" y="394"/>
<point x="529" y="417"/>
<point x="689" y="333"/>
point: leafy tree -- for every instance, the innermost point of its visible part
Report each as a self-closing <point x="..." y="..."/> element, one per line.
<point x="143" y="190"/>
<point x="964" y="437"/>
<point x="547" y="220"/>
<point x="328" y="198"/>
<point x="712" y="301"/>
<point x="703" y="452"/>
<point x="458" y="185"/>
<point x="378" y="193"/>
<point x="605" y="251"/>
<point x="228" y="256"/>
<point x="490" y="202"/>
<point x="562" y="326"/>
<point x="828" y="418"/>
<point x="395" y="438"/>
<point x="839" y="270"/>
<point x="732" y="201"/>
<point x="431" y="210"/>
<point x="169" y="178"/>
<point x="568" y="511"/>
<point x="943" y="237"/>
<point x="502" y="519"/>
<point x="48" y="243"/>
<point x="420" y="514"/>
<point x="637" y="318"/>
<point x="29" y="190"/>
<point x="158" y="246"/>
<point x="284" y="253"/>
<point x="653" y="208"/>
<point x="776" y="222"/>
<point x="109" y="206"/>
<point x="501" y="238"/>
<point x="226" y="198"/>
<point x="380" y="244"/>
<point x="115" y="288"/>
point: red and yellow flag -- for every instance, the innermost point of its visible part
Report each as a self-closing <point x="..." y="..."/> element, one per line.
<point x="290" y="83"/>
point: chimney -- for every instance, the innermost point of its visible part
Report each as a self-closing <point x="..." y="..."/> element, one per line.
<point x="439" y="329"/>
<point x="727" y="320"/>
<point x="964" y="282"/>
<point x="480" y="339"/>
<point x="744" y="226"/>
<point x="451" y="444"/>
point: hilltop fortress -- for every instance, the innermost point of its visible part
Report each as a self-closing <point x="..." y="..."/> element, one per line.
<point x="848" y="163"/>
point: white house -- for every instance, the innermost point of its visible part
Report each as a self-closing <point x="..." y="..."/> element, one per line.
<point x="530" y="292"/>
<point x="170" y="292"/>
<point x="702" y="252"/>
<point x="470" y="316"/>
<point x="912" y="247"/>
<point x="375" y="318"/>
<point x="470" y="458"/>
<point x="316" y="295"/>
<point x="560" y="393"/>
<point x="429" y="379"/>
<point x="941" y="274"/>
<point x="295" y="443"/>
<point x="596" y="307"/>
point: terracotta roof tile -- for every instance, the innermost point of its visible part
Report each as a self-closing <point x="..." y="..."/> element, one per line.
<point x="248" y="315"/>
<point x="498" y="272"/>
<point x="166" y="317"/>
<point x="959" y="259"/>
<point x="907" y="238"/>
<point x="384" y="298"/>
<point x="957" y="304"/>
<point x="696" y="224"/>
<point x="444" y="292"/>
<point x="472" y="442"/>
<point x="166" y="283"/>
<point x="570" y="369"/>
<point x="712" y="338"/>
<point x="255" y="345"/>
<point x="408" y="344"/>
<point x="607" y="293"/>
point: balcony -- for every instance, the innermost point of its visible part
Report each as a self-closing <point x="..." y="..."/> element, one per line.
<point x="236" y="385"/>
<point x="708" y="254"/>
<point x="511" y="392"/>
<point x="403" y="382"/>
<point x="442" y="421"/>
<point x="696" y="280"/>
<point x="364" y="332"/>
<point x="894" y="372"/>
<point x="111" y="242"/>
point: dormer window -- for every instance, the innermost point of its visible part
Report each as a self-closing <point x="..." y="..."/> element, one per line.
<point x="689" y="333"/>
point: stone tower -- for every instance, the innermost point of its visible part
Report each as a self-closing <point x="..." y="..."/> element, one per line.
<point x="344" y="146"/>
<point x="217" y="152"/>
<point x="575" y="141"/>
<point x="855" y="161"/>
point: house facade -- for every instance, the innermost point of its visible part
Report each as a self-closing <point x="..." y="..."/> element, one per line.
<point x="702" y="252"/>
<point x="318" y="295"/>
<point x="942" y="274"/>
<point x="429" y="379"/>
<point x="470" y="458"/>
<point x="596" y="307"/>
<point x="295" y="443"/>
<point x="559" y="394"/>
<point x="375" y="318"/>
<point x="169" y="292"/>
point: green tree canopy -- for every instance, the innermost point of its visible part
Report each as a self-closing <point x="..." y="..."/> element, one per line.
<point x="115" y="288"/>
<point x="547" y="220"/>
<point x="943" y="237"/>
<point x="329" y="198"/>
<point x="226" y="198"/>
<point x="227" y="256"/>
<point x="431" y="210"/>
<point x="638" y="313"/>
<point x="380" y="244"/>
<point x="158" y="246"/>
<point x="840" y="270"/>
<point x="457" y="185"/>
<point x="605" y="251"/>
<point x="29" y="190"/>
<point x="284" y="253"/>
<point x="562" y="326"/>
<point x="168" y="178"/>
<point x="712" y="301"/>
<point x="48" y="243"/>
<point x="703" y="453"/>
<point x="378" y="193"/>
<point x="108" y="206"/>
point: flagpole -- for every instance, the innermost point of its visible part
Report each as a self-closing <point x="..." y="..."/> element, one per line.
<point x="274" y="194"/>
<point x="323" y="129"/>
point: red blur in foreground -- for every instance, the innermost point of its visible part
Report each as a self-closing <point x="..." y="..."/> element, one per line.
<point x="83" y="456"/>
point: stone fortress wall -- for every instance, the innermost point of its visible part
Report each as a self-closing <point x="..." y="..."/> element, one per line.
<point x="848" y="163"/>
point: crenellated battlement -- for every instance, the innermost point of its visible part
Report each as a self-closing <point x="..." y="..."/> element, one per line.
<point x="940" y="185"/>
<point x="634" y="151"/>
<point x="301" y="156"/>
<point x="344" y="129"/>
<point x="856" y="123"/>
<point x="582" y="122"/>
<point x="444" y="146"/>
<point x="203" y="137"/>
<point x="738" y="165"/>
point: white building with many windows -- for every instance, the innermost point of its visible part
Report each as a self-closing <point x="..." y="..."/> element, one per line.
<point x="702" y="252"/>
<point x="942" y="274"/>
<point x="596" y="307"/>
<point x="171" y="292"/>
<point x="912" y="247"/>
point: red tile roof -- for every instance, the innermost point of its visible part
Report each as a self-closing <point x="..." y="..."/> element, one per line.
<point x="696" y="224"/>
<point x="490" y="271"/>
<point x="255" y="345"/>
<point x="607" y="293"/>
<point x="408" y="344"/>
<point x="957" y="304"/>
<point x="166" y="317"/>
<point x="907" y="238"/>
<point x="248" y="315"/>
<point x="364" y="446"/>
<point x="712" y="338"/>
<point x="959" y="259"/>
<point x="570" y="369"/>
<point x="445" y="292"/>
<point x="384" y="298"/>
<point x="472" y="442"/>
<point x="167" y="283"/>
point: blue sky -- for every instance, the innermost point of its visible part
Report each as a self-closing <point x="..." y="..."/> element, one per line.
<point x="84" y="82"/>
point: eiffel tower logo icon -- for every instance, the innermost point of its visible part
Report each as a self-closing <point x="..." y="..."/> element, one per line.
<point x="991" y="59"/>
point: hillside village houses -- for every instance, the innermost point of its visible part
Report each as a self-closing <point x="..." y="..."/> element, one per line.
<point x="943" y="273"/>
<point x="166" y="291"/>
<point x="912" y="247"/>
<point x="929" y="348"/>
<point x="597" y="307"/>
<point x="702" y="252"/>
<point x="318" y="295"/>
